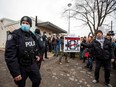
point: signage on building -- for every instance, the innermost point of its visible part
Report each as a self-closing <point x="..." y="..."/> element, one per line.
<point x="71" y="44"/>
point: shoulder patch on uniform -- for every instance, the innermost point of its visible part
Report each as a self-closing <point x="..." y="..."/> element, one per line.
<point x="10" y="37"/>
<point x="41" y="39"/>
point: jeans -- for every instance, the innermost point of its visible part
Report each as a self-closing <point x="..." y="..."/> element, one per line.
<point x="107" y="67"/>
<point x="57" y="49"/>
<point x="90" y="63"/>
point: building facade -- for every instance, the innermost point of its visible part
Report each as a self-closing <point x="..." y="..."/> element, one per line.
<point x="7" y="26"/>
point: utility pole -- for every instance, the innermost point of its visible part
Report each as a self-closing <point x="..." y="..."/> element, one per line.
<point x="36" y="21"/>
<point x="69" y="5"/>
<point x="111" y="32"/>
<point x="111" y="25"/>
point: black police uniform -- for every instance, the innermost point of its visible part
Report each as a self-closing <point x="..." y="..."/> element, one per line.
<point x="41" y="44"/>
<point x="20" y="55"/>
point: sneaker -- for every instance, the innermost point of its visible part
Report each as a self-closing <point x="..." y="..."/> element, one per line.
<point x="114" y="68"/>
<point x="46" y="57"/>
<point x="43" y="59"/>
<point x="90" y="69"/>
<point x="95" y="81"/>
<point x="67" y="61"/>
<point x="108" y="85"/>
<point x="86" y="66"/>
<point x="60" y="63"/>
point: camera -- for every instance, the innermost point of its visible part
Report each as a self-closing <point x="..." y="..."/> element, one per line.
<point x="111" y="33"/>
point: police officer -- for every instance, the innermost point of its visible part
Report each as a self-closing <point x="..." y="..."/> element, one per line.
<point x="41" y="44"/>
<point x="21" y="54"/>
<point x="103" y="53"/>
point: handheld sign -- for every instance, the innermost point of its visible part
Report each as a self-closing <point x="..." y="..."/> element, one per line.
<point x="71" y="44"/>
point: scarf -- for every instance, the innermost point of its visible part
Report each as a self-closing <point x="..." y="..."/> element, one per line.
<point x="101" y="41"/>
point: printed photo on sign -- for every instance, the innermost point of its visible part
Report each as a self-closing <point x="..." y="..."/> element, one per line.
<point x="71" y="44"/>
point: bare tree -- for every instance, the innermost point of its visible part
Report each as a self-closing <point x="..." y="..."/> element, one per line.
<point x="93" y="12"/>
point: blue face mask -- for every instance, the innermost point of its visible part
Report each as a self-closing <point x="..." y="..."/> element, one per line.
<point x="25" y="27"/>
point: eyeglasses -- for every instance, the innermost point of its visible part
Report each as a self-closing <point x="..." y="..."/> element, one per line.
<point x="25" y="22"/>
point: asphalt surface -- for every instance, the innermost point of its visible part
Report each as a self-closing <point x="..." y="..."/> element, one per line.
<point x="53" y="74"/>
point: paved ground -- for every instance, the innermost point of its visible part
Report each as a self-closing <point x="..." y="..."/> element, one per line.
<point x="71" y="74"/>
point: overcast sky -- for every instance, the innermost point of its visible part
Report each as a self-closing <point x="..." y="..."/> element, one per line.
<point x="46" y="10"/>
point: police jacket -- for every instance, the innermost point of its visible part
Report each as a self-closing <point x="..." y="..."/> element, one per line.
<point x="41" y="43"/>
<point x="105" y="53"/>
<point x="45" y="39"/>
<point x="21" y="50"/>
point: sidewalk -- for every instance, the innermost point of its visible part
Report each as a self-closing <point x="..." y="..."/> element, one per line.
<point x="2" y="49"/>
<point x="53" y="74"/>
<point x="50" y="54"/>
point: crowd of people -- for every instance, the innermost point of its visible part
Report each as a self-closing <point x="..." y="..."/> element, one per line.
<point x="53" y="44"/>
<point x="25" y="52"/>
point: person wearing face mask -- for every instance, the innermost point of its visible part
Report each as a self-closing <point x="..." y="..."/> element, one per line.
<point x="21" y="54"/>
<point x="103" y="52"/>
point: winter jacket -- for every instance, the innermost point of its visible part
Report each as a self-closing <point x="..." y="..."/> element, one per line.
<point x="105" y="53"/>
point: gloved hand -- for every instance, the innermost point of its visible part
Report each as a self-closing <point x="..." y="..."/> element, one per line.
<point x="18" y="78"/>
<point x="112" y="60"/>
<point x="38" y="58"/>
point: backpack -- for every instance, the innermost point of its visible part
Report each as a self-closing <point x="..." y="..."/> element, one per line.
<point x="86" y="55"/>
<point x="41" y="42"/>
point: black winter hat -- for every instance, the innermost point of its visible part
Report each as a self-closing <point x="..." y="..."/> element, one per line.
<point x="37" y="31"/>
<point x="26" y="18"/>
<point x="99" y="31"/>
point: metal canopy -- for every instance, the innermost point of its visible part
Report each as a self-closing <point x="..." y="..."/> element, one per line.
<point x="52" y="27"/>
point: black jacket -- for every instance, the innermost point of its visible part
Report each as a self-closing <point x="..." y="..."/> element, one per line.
<point x="15" y="50"/>
<point x="45" y="39"/>
<point x="105" y="53"/>
<point x="82" y="48"/>
<point x="41" y="43"/>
